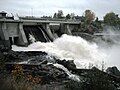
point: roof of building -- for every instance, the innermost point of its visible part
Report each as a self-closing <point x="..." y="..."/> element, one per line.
<point x="3" y="12"/>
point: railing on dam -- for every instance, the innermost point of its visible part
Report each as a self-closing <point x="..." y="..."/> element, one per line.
<point x="106" y="34"/>
<point x="41" y="20"/>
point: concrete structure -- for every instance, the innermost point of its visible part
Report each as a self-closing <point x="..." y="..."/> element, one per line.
<point x="12" y="31"/>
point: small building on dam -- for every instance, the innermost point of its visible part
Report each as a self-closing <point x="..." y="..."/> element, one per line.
<point x="18" y="32"/>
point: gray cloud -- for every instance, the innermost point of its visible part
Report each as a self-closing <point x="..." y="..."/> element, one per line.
<point x="48" y="7"/>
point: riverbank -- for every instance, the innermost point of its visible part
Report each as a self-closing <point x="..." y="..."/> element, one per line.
<point x="37" y="70"/>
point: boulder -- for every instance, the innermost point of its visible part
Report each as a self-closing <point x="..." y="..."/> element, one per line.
<point x="69" y="64"/>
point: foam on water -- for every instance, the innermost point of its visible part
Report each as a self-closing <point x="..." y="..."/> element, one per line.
<point x="67" y="47"/>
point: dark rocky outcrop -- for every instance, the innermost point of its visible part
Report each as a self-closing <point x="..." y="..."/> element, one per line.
<point x="47" y="73"/>
<point x="113" y="71"/>
<point x="33" y="67"/>
<point x="69" y="64"/>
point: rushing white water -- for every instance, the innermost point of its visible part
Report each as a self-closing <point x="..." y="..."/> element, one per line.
<point x="84" y="54"/>
<point x="71" y="76"/>
<point x="32" y="38"/>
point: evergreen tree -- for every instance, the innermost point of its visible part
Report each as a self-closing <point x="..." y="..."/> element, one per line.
<point x="55" y="15"/>
<point x="68" y="16"/>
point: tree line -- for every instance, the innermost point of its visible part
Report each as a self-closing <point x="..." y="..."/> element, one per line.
<point x="110" y="18"/>
<point x="89" y="22"/>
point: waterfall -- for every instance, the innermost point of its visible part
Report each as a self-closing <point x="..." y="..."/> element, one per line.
<point x="45" y="35"/>
<point x="37" y="32"/>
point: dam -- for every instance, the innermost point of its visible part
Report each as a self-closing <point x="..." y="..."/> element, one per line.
<point x="17" y="32"/>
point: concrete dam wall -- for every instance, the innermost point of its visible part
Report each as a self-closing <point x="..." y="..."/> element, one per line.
<point x="18" y="32"/>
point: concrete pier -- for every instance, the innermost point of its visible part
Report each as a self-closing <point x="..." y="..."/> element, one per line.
<point x="12" y="31"/>
<point x="22" y="38"/>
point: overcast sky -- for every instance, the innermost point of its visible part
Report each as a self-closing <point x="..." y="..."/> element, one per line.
<point x="48" y="7"/>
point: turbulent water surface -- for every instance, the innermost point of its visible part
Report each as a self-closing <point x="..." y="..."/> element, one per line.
<point x="84" y="54"/>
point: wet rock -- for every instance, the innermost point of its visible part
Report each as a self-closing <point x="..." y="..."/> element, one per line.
<point x="35" y="64"/>
<point x="37" y="59"/>
<point x="38" y="69"/>
<point x="29" y="57"/>
<point x="12" y="56"/>
<point x="68" y="64"/>
<point x="4" y="48"/>
<point x="49" y="73"/>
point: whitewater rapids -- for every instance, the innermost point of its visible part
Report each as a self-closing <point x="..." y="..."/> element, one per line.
<point x="84" y="54"/>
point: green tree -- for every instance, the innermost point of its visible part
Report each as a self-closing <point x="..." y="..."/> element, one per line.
<point x="111" y="19"/>
<point x="89" y="16"/>
<point x="68" y="16"/>
<point x="55" y="15"/>
<point x="96" y="20"/>
<point x="60" y="14"/>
